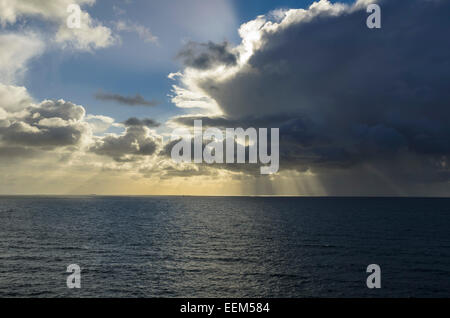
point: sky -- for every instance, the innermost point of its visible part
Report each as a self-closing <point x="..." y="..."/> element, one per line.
<point x="90" y="111"/>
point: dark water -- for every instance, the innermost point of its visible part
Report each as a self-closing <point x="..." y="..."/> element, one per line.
<point x="224" y="247"/>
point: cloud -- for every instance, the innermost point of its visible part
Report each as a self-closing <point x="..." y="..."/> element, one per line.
<point x="118" y="10"/>
<point x="11" y="11"/>
<point x="58" y="136"/>
<point x="192" y="97"/>
<point x="144" y="33"/>
<point x="48" y="124"/>
<point x="166" y="170"/>
<point x="134" y="144"/>
<point x="67" y="111"/>
<point x="58" y="126"/>
<point x="14" y="98"/>
<point x="16" y="50"/>
<point x="13" y="152"/>
<point x="136" y="100"/>
<point x="99" y="123"/>
<point x="91" y="35"/>
<point x="20" y="133"/>
<point x="148" y="122"/>
<point x="207" y="55"/>
<point x="346" y="98"/>
<point x="224" y="122"/>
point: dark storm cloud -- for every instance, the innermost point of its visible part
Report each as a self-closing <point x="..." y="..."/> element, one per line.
<point x="132" y="146"/>
<point x="224" y="122"/>
<point x="336" y="68"/>
<point x="148" y="122"/>
<point x="136" y="100"/>
<point x="206" y="55"/>
<point x="355" y="97"/>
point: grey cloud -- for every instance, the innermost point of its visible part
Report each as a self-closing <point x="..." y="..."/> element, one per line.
<point x="206" y="55"/>
<point x="18" y="133"/>
<point x="207" y="169"/>
<point x="225" y="122"/>
<point x="148" y="122"/>
<point x="50" y="124"/>
<point x="56" y="109"/>
<point x="132" y="146"/>
<point x="136" y="100"/>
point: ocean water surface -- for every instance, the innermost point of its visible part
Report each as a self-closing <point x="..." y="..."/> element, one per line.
<point x="224" y="246"/>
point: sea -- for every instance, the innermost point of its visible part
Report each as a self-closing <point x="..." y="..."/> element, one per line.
<point x="290" y="247"/>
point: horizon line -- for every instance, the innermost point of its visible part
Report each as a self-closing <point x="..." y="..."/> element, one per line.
<point x="225" y="196"/>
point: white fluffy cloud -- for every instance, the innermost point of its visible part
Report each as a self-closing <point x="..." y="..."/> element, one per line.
<point x="14" y="98"/>
<point x="29" y="129"/>
<point x="91" y="35"/>
<point x="11" y="11"/>
<point x="99" y="123"/>
<point x="16" y="50"/>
